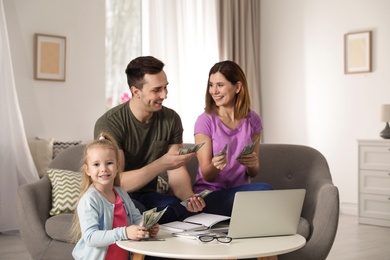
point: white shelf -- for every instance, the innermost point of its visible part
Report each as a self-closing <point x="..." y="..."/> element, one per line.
<point x="374" y="182"/>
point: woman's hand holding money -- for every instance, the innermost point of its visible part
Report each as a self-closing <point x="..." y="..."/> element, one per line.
<point x="251" y="162"/>
<point x="220" y="162"/>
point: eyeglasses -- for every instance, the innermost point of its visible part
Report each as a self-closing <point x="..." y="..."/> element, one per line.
<point x="220" y="239"/>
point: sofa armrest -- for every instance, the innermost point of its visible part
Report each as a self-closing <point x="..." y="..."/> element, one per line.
<point x="324" y="226"/>
<point x="33" y="206"/>
<point x="325" y="221"/>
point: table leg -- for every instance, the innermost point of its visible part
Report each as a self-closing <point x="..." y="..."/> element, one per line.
<point x="137" y="256"/>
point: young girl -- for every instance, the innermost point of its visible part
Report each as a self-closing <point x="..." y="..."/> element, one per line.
<point x="105" y="213"/>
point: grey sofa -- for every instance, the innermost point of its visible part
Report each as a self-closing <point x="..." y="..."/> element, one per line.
<point x="281" y="165"/>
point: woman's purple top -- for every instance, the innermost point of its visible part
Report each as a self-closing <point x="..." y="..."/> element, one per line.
<point x="234" y="174"/>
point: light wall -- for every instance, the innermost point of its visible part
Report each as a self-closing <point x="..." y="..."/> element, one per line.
<point x="306" y="97"/>
<point x="66" y="110"/>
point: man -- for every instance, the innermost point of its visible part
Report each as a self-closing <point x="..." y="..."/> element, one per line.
<point x="150" y="136"/>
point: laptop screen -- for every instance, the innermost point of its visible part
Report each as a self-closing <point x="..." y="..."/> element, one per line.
<point x="266" y="213"/>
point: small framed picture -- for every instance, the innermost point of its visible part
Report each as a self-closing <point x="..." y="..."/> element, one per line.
<point x="49" y="57"/>
<point x="358" y="52"/>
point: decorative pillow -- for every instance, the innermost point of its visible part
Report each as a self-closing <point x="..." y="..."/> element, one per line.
<point x="42" y="153"/>
<point x="65" y="190"/>
<point x="60" y="146"/>
<point x="162" y="185"/>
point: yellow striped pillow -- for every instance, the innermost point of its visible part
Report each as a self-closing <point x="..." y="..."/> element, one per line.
<point x="65" y="190"/>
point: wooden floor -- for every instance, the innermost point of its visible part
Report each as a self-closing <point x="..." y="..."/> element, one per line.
<point x="353" y="242"/>
<point x="357" y="241"/>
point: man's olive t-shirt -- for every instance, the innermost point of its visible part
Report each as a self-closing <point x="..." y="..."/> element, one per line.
<point x="142" y="143"/>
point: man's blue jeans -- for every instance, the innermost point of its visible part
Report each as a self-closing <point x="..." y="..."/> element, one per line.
<point x="221" y="202"/>
<point x="217" y="202"/>
<point x="148" y="200"/>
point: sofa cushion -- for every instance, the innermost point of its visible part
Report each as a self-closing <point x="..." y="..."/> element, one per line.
<point x="57" y="227"/>
<point x="65" y="190"/>
<point x="59" y="146"/>
<point x="162" y="185"/>
<point x="303" y="228"/>
<point x="42" y="153"/>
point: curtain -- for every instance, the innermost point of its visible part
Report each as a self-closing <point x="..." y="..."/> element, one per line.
<point x="182" y="33"/>
<point x="190" y="37"/>
<point x="16" y="164"/>
<point x="239" y="40"/>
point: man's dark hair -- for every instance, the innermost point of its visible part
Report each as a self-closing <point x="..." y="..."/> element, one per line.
<point x="140" y="66"/>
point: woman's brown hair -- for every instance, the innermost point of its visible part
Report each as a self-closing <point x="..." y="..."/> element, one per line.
<point x="234" y="74"/>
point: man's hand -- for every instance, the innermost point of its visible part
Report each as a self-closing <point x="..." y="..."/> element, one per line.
<point x="172" y="160"/>
<point x="196" y="204"/>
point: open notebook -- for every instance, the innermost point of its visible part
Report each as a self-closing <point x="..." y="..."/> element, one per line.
<point x="200" y="221"/>
<point x="260" y="213"/>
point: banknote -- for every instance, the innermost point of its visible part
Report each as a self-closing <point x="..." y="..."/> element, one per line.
<point x="202" y="194"/>
<point x="223" y="151"/>
<point x="151" y="217"/>
<point x="247" y="150"/>
<point x="192" y="149"/>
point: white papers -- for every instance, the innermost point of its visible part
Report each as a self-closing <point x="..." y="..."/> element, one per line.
<point x="177" y="226"/>
<point x="206" y="219"/>
<point x="196" y="222"/>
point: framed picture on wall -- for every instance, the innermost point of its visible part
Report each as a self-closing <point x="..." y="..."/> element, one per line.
<point x="49" y="57"/>
<point x="358" y="52"/>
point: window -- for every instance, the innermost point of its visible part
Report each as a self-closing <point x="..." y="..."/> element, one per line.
<point x="182" y="34"/>
<point x="123" y="43"/>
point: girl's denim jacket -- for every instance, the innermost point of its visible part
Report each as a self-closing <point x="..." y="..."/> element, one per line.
<point x="96" y="215"/>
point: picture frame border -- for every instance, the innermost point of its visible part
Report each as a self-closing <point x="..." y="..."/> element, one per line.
<point x="366" y="52"/>
<point x="38" y="40"/>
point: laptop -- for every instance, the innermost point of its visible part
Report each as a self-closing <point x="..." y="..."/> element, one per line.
<point x="260" y="214"/>
<point x="266" y="213"/>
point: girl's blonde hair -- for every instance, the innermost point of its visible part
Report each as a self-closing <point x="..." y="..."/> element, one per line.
<point x="103" y="141"/>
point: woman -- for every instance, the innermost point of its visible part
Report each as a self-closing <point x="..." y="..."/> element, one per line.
<point x="226" y="127"/>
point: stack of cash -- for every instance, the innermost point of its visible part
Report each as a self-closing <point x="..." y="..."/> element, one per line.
<point x="202" y="194"/>
<point x="247" y="150"/>
<point x="151" y="217"/>
<point x="192" y="149"/>
<point x="223" y="151"/>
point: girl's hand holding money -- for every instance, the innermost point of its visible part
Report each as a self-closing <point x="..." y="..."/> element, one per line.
<point x="135" y="232"/>
<point x="154" y="230"/>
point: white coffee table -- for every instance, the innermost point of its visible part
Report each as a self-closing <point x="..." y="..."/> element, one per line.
<point x="183" y="248"/>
